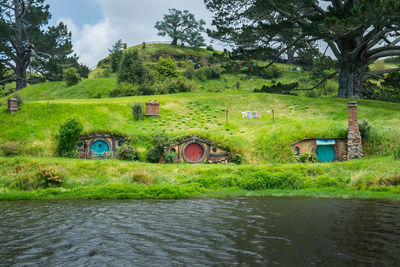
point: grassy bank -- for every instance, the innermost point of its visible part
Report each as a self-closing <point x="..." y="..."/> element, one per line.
<point x="35" y="126"/>
<point x="84" y="179"/>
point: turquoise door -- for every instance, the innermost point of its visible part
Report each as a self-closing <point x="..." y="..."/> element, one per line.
<point x="325" y="153"/>
<point x="100" y="146"/>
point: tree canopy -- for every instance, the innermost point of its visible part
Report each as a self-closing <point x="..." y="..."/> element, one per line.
<point x="181" y="26"/>
<point x="25" y="42"/>
<point x="357" y="32"/>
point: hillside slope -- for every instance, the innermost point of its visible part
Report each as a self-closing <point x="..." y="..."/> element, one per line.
<point x="259" y="140"/>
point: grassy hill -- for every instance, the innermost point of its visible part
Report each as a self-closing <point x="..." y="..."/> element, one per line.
<point x="205" y="113"/>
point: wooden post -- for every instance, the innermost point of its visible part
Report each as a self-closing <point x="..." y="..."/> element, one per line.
<point x="227" y="115"/>
<point x="273" y="116"/>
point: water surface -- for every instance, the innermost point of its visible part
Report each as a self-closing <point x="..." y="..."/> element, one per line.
<point x="234" y="231"/>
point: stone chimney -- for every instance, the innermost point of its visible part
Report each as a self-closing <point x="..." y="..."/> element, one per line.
<point x="152" y="108"/>
<point x="12" y="105"/>
<point x="354" y="143"/>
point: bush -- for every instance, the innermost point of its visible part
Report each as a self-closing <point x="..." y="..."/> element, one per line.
<point x="137" y="111"/>
<point x="216" y="72"/>
<point x="132" y="69"/>
<point x="147" y="89"/>
<point x="69" y="136"/>
<point x="203" y="73"/>
<point x="210" y="48"/>
<point x="153" y="155"/>
<point x="167" y="68"/>
<point x="71" y="76"/>
<point x="169" y="157"/>
<point x="123" y="90"/>
<point x="189" y="72"/>
<point x="127" y="152"/>
<point x="11" y="148"/>
<point x="278" y="88"/>
<point x="25" y="182"/>
<point x="365" y="128"/>
<point x="49" y="177"/>
<point x="308" y="158"/>
<point x="160" y="142"/>
<point x="142" y="177"/>
<point x="396" y="153"/>
<point x="20" y="99"/>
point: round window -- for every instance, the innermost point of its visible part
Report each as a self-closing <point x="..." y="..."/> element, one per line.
<point x="121" y="143"/>
<point x="214" y="149"/>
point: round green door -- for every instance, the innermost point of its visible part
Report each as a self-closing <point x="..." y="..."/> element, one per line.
<point x="100" y="146"/>
<point x="325" y="153"/>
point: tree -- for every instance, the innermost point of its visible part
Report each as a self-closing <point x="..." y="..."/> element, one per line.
<point x="71" y="76"/>
<point x="167" y="68"/>
<point x="181" y="26"/>
<point x="116" y="54"/>
<point x="132" y="70"/>
<point x="25" y="42"/>
<point x="357" y="32"/>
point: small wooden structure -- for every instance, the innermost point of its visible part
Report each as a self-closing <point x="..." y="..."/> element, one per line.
<point x="194" y="149"/>
<point x="152" y="108"/>
<point x="12" y="105"/>
<point x="95" y="146"/>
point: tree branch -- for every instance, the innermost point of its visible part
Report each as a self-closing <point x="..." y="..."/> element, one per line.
<point x="378" y="73"/>
<point x="319" y="84"/>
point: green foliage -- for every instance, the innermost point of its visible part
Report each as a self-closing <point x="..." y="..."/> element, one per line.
<point x="116" y="55"/>
<point x="396" y="153"/>
<point x="132" y="70"/>
<point x="172" y="86"/>
<point x="142" y="177"/>
<point x="278" y="88"/>
<point x="210" y="48"/>
<point x="160" y="143"/>
<point x="25" y="182"/>
<point x="10" y="149"/>
<point x="169" y="156"/>
<point x="308" y="158"/>
<point x="271" y="72"/>
<point x="181" y="26"/>
<point x="71" y="76"/>
<point x="189" y="72"/>
<point x="48" y="177"/>
<point x="19" y="98"/>
<point x="69" y="136"/>
<point x="376" y="92"/>
<point x="123" y="89"/>
<point x="137" y="111"/>
<point x="166" y="68"/>
<point x="127" y="152"/>
<point x="203" y="73"/>
<point x="365" y="128"/>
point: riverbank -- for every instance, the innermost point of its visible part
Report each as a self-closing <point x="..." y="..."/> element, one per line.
<point x="22" y="178"/>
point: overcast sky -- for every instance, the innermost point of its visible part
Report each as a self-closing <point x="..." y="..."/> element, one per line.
<point x="97" y="24"/>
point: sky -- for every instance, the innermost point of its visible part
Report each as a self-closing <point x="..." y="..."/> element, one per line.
<point x="97" y="24"/>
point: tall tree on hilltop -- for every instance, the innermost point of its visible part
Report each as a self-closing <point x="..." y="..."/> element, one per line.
<point x="25" y="42"/>
<point x="116" y="54"/>
<point x="358" y="32"/>
<point x="181" y="26"/>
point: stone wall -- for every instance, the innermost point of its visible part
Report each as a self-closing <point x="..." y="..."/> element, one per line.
<point x="354" y="142"/>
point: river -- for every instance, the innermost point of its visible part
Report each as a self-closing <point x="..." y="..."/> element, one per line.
<point x="253" y="231"/>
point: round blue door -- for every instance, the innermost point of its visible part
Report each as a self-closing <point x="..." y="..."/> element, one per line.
<point x="325" y="153"/>
<point x="100" y="146"/>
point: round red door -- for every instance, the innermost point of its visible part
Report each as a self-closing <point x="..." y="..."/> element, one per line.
<point x="194" y="152"/>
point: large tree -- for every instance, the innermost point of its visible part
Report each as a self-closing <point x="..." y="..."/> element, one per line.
<point x="181" y="26"/>
<point x="26" y="42"/>
<point x="358" y="32"/>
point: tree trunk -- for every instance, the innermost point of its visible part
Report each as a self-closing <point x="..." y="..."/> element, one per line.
<point x="174" y="41"/>
<point x="290" y="56"/>
<point x="351" y="82"/>
<point x="21" y="77"/>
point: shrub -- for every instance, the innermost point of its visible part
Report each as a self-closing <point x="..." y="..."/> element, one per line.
<point x="308" y="158"/>
<point x="20" y="99"/>
<point x="147" y="89"/>
<point x="396" y="153"/>
<point x="69" y="136"/>
<point x="210" y="48"/>
<point x="132" y="69"/>
<point x="153" y="155"/>
<point x="11" y="148"/>
<point x="142" y="177"/>
<point x="71" y="76"/>
<point x="237" y="159"/>
<point x="160" y="142"/>
<point x="122" y="90"/>
<point x="189" y="72"/>
<point x="365" y="128"/>
<point x="127" y="152"/>
<point x="169" y="157"/>
<point x="203" y="73"/>
<point x="167" y="68"/>
<point x="278" y="88"/>
<point x="49" y="177"/>
<point x="216" y="72"/>
<point x="137" y="111"/>
<point x="25" y="182"/>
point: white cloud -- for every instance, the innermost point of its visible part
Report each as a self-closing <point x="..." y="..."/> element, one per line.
<point x="131" y="21"/>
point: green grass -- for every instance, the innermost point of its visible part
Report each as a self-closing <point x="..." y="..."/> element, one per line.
<point x="259" y="140"/>
<point x="95" y="179"/>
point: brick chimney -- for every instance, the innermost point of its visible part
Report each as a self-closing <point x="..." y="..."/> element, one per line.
<point x="12" y="105"/>
<point x="152" y="108"/>
<point x="354" y="143"/>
